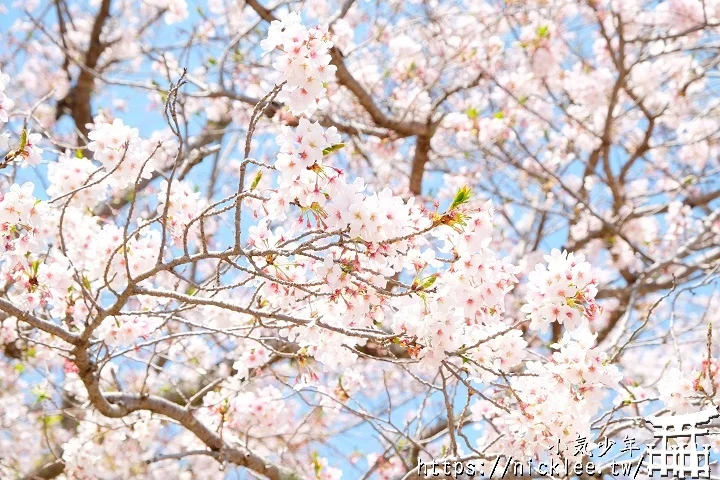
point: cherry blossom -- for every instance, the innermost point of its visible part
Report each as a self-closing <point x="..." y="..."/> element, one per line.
<point x="121" y="152"/>
<point x="29" y="150"/>
<point x="77" y="177"/>
<point x="319" y="239"/>
<point x="183" y="210"/>
<point x="563" y="291"/>
<point x="125" y="330"/>
<point x="305" y="63"/>
<point x="6" y="106"/>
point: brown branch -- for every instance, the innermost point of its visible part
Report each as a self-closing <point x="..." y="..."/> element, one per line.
<point x="119" y="404"/>
<point x="346" y="79"/>
<point x="39" y="323"/>
<point x="47" y="471"/>
<point x="78" y="100"/>
<point x="421" y="157"/>
<point x="214" y="132"/>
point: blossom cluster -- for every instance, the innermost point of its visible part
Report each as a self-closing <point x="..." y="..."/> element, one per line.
<point x="21" y="217"/>
<point x="132" y="256"/>
<point x="78" y="177"/>
<point x="86" y="458"/>
<point x="323" y="194"/>
<point x="680" y="390"/>
<point x="251" y="357"/>
<point x="304" y="64"/>
<point x="121" y="152"/>
<point x="387" y="232"/>
<point x="8" y="330"/>
<point x="125" y="330"/>
<point x="28" y="227"/>
<point x="464" y="307"/>
<point x="40" y="283"/>
<point x="563" y="291"/>
<point x="22" y="220"/>
<point x="29" y="150"/>
<point x="262" y="410"/>
<point x="6" y="103"/>
<point x="552" y="402"/>
<point x="184" y="207"/>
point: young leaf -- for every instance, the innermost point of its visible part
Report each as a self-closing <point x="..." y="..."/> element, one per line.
<point x="429" y="281"/>
<point x="50" y="420"/>
<point x="461" y="197"/>
<point x="333" y="149"/>
<point x="256" y="180"/>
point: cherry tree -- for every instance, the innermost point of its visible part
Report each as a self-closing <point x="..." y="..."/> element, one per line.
<point x="316" y="239"/>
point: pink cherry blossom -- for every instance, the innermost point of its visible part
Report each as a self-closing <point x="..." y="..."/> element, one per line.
<point x="313" y="240"/>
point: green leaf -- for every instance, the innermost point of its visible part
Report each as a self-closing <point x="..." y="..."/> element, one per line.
<point x="212" y="61"/>
<point x="79" y="153"/>
<point x="50" y="420"/>
<point x="461" y="197"/>
<point x="256" y="180"/>
<point x="429" y="281"/>
<point x="39" y="393"/>
<point x="472" y="113"/>
<point x="19" y="367"/>
<point x="333" y="149"/>
<point x="317" y="466"/>
<point x="543" y="32"/>
<point x="499" y="115"/>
